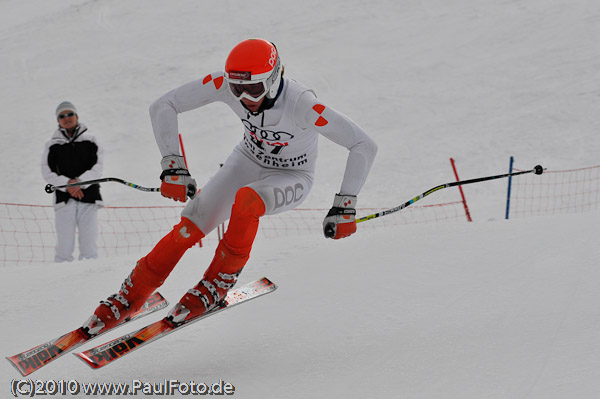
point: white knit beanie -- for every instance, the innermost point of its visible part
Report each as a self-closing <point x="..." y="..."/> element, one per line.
<point x="65" y="106"/>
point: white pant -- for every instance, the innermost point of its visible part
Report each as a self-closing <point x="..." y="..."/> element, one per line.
<point x="69" y="217"/>
<point x="280" y="189"/>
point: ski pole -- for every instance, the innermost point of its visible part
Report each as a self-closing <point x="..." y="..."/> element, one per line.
<point x="538" y="170"/>
<point x="50" y="188"/>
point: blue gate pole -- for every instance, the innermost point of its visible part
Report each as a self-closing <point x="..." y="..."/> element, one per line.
<point x="510" y="169"/>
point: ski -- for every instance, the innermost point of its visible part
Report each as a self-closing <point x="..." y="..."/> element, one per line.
<point x="107" y="353"/>
<point x="32" y="360"/>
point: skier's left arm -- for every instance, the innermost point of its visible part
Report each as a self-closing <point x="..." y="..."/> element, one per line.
<point x="311" y="113"/>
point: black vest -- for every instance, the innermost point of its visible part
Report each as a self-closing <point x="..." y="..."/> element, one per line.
<point x="71" y="160"/>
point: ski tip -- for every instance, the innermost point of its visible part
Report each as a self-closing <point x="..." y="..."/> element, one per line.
<point x="12" y="362"/>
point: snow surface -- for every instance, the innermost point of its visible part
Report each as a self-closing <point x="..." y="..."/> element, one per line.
<point x="490" y="309"/>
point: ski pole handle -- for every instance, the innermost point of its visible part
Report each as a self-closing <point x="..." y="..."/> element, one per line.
<point x="538" y="170"/>
<point x="51" y="188"/>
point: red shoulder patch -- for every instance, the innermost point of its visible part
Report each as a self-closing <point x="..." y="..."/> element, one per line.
<point x="218" y="82"/>
<point x="321" y="121"/>
<point x="319" y="108"/>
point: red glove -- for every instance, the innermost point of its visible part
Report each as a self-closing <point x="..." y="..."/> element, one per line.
<point x="340" y="220"/>
<point x="177" y="183"/>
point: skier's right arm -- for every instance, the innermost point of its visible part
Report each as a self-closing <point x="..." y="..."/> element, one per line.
<point x="176" y="179"/>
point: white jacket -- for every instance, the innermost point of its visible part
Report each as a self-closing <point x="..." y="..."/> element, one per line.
<point x="282" y="137"/>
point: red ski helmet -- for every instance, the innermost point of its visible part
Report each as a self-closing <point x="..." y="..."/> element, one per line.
<point x="253" y="70"/>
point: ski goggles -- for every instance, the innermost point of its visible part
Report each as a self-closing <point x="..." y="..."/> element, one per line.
<point x="251" y="91"/>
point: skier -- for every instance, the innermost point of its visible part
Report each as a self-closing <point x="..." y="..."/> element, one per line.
<point x="270" y="171"/>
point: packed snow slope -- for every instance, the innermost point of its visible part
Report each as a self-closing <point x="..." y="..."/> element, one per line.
<point x="490" y="309"/>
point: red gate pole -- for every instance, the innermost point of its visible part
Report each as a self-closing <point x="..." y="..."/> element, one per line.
<point x="462" y="194"/>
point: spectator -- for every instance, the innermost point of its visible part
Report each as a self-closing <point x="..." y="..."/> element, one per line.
<point x="73" y="155"/>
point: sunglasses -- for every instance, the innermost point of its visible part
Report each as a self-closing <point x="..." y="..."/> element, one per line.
<point x="67" y="115"/>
